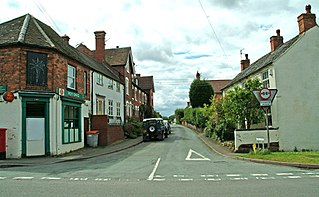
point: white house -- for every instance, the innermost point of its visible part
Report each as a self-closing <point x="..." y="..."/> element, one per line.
<point x="292" y="68"/>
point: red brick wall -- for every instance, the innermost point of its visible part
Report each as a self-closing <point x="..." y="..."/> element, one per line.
<point x="108" y="134"/>
<point x="13" y="63"/>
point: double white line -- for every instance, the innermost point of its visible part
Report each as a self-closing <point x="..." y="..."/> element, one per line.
<point x="151" y="176"/>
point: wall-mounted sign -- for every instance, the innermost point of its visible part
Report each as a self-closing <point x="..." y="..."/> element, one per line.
<point x="3" y="89"/>
<point x="8" y="96"/>
<point x="67" y="93"/>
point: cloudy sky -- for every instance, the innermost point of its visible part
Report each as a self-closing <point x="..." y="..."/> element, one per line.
<point x="172" y="39"/>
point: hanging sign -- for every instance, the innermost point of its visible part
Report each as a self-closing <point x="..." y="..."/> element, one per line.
<point x="8" y="96"/>
<point x="3" y="89"/>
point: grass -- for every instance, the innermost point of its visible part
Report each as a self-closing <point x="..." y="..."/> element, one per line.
<point x="296" y="157"/>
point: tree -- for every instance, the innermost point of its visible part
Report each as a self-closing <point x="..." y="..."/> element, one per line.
<point x="179" y="114"/>
<point x="200" y="93"/>
<point x="241" y="106"/>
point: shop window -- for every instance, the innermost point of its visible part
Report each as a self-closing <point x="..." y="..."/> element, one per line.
<point x="37" y="69"/>
<point x="71" y="132"/>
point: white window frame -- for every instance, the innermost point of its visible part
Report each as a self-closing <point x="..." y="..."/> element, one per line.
<point x="99" y="79"/>
<point x="127" y="86"/>
<point x="118" y="109"/>
<point x="110" y="84"/>
<point x="71" y="77"/>
<point x="265" y="79"/>
<point x="110" y="111"/>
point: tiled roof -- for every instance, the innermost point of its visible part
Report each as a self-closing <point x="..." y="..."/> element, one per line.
<point x="146" y="83"/>
<point x="117" y="56"/>
<point x="264" y="61"/>
<point x="218" y="84"/>
<point x="27" y="30"/>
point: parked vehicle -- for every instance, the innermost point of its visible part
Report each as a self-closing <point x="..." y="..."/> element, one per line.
<point x="154" y="128"/>
<point x="167" y="127"/>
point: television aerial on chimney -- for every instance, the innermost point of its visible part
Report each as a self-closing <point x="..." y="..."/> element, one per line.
<point x="241" y="53"/>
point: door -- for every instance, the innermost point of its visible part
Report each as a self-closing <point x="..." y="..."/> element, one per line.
<point x="35" y="129"/>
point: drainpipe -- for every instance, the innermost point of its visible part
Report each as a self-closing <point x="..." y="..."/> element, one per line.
<point x="92" y="93"/>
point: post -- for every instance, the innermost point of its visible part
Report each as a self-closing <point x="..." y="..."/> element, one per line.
<point x="267" y="125"/>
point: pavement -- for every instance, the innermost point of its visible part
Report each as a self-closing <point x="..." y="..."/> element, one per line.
<point x="90" y="152"/>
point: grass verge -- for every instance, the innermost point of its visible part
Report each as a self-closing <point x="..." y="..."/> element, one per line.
<point x="296" y="157"/>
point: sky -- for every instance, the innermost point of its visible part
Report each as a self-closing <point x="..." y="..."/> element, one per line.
<point x="172" y="39"/>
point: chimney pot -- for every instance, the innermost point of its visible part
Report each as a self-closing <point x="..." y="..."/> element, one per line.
<point x="278" y="32"/>
<point x="197" y="75"/>
<point x="308" y="8"/>
<point x="246" y="55"/>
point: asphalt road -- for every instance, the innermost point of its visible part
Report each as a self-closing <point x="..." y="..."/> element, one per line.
<point x="178" y="166"/>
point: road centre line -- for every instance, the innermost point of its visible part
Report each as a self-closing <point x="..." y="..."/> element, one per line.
<point x="2" y="178"/>
<point x="259" y="174"/>
<point x="294" y="177"/>
<point x="284" y="174"/>
<point x="233" y="175"/>
<point x="151" y="176"/>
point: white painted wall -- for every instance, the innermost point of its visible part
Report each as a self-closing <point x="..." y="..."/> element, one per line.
<point x="10" y="118"/>
<point x="297" y="80"/>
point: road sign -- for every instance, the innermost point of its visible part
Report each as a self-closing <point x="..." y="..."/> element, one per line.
<point x="265" y="94"/>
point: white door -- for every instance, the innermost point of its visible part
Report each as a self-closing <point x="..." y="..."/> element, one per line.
<point x="35" y="136"/>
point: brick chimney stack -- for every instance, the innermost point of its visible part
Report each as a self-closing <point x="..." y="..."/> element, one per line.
<point x="306" y="20"/>
<point x="245" y="63"/>
<point x="276" y="41"/>
<point x="100" y="46"/>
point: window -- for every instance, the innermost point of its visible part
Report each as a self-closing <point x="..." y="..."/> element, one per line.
<point x="99" y="79"/>
<point x="110" y="108"/>
<point x="85" y="82"/>
<point x="37" y="69"/>
<point x="118" y="109"/>
<point x="71" y="131"/>
<point x="126" y="86"/>
<point x="135" y="91"/>
<point x="118" y="87"/>
<point x="100" y="105"/>
<point x="265" y="79"/>
<point x="71" y="77"/>
<point x="110" y="85"/>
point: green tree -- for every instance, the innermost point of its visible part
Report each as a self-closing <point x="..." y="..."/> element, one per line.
<point x="200" y="93"/>
<point x="179" y="114"/>
<point x="241" y="106"/>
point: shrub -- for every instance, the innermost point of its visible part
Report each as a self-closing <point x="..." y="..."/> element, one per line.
<point x="133" y="128"/>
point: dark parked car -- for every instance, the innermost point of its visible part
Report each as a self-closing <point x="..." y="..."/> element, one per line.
<point x="167" y="126"/>
<point x="154" y="128"/>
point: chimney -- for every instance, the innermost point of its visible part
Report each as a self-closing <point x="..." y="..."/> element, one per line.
<point x="245" y="63"/>
<point x="197" y="75"/>
<point x="306" y="20"/>
<point x="66" y="38"/>
<point x="276" y="41"/>
<point x="100" y="46"/>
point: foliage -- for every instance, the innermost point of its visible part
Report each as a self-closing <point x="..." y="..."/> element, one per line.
<point x="200" y="93"/>
<point x="179" y="114"/>
<point x="133" y="128"/>
<point x="195" y="116"/>
<point x="240" y="105"/>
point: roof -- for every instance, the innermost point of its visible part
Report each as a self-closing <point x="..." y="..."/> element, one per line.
<point x="218" y="84"/>
<point x="117" y="56"/>
<point x="146" y="83"/>
<point x="264" y="61"/>
<point x="27" y="30"/>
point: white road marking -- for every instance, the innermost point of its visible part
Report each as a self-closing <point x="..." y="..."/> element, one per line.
<point x="177" y="175"/>
<point x="213" y="179"/>
<point x="185" y="179"/>
<point x="233" y="175"/>
<point x="294" y="177"/>
<point x="209" y="175"/>
<point x="284" y="174"/>
<point x="23" y="178"/>
<point x="201" y="157"/>
<point x="158" y="180"/>
<point x="239" y="179"/>
<point x="51" y="178"/>
<point x="101" y="179"/>
<point x="151" y="176"/>
<point x="314" y="176"/>
<point x="265" y="178"/>
<point x="2" y="178"/>
<point x="259" y="174"/>
<point x="79" y="179"/>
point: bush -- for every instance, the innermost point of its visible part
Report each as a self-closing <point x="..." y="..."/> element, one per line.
<point x="133" y="128"/>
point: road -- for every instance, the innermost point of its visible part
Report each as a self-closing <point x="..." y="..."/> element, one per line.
<point x="178" y="166"/>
